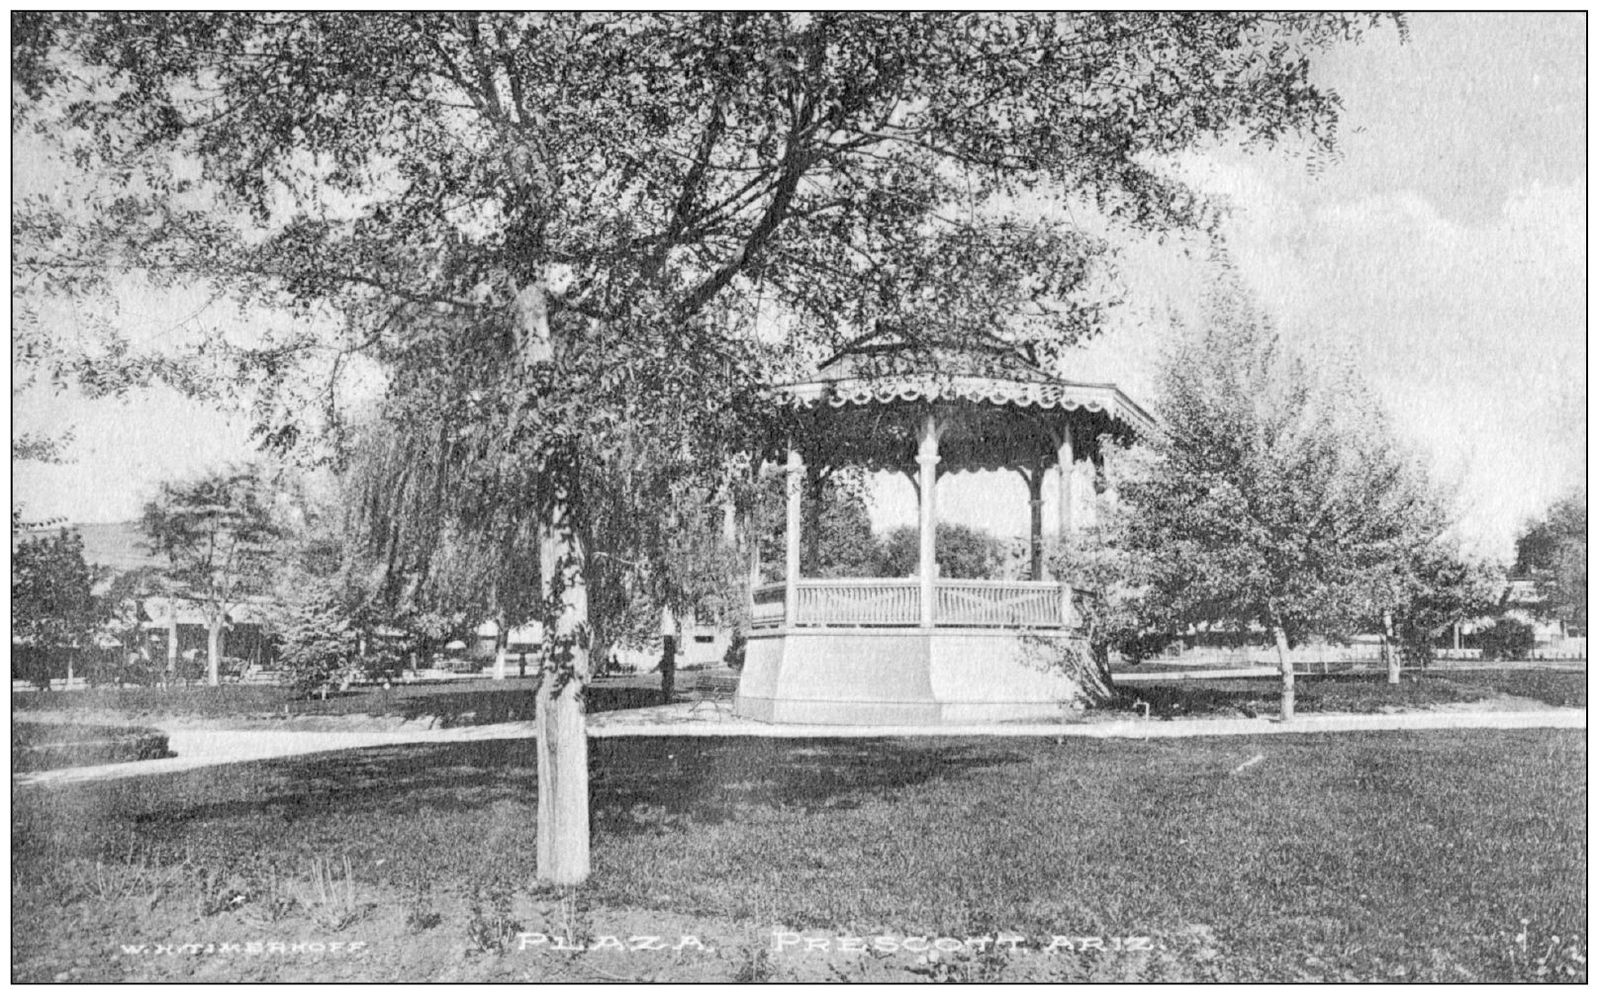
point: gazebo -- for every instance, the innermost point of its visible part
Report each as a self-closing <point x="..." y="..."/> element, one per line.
<point x="930" y="649"/>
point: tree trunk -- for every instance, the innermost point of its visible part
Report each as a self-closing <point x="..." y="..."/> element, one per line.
<point x="668" y="668"/>
<point x="562" y="733"/>
<point x="501" y="649"/>
<point x="561" y="726"/>
<point x="213" y="651"/>
<point x="1394" y="662"/>
<point x="1288" y="693"/>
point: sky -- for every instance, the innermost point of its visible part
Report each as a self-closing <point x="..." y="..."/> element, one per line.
<point x="1444" y="251"/>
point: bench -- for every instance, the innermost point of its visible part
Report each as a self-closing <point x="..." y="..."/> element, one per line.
<point x="712" y="690"/>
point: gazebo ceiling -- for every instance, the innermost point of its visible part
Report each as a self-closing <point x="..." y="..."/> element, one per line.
<point x="996" y="408"/>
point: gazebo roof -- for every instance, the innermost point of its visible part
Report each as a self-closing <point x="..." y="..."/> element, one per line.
<point x="887" y="369"/>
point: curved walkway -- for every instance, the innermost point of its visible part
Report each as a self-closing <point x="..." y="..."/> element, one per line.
<point x="197" y="747"/>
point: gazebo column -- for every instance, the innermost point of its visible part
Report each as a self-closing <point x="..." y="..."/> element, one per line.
<point x="1034" y="485"/>
<point x="927" y="458"/>
<point x="751" y="523"/>
<point x="1067" y="485"/>
<point x="795" y="527"/>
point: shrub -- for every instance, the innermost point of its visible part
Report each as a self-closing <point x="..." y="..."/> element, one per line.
<point x="737" y="650"/>
<point x="1507" y="639"/>
<point x="1137" y="647"/>
<point x="37" y="746"/>
<point x="317" y="643"/>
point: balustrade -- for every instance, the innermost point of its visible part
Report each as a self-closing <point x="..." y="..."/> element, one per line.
<point x="896" y="603"/>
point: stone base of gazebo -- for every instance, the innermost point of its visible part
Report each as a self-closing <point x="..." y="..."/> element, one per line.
<point x="912" y="676"/>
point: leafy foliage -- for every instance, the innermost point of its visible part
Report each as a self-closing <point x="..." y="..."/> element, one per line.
<point x="836" y="538"/>
<point x="1435" y="589"/>
<point x="52" y="602"/>
<point x="1507" y="639"/>
<point x="1552" y="551"/>
<point x="317" y="644"/>
<point x="40" y="447"/>
<point x="962" y="552"/>
<point x="1274" y="498"/>
<point x="218" y="532"/>
<point x="652" y="187"/>
<point x="577" y="245"/>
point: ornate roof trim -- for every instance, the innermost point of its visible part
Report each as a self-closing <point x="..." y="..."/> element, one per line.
<point x="1067" y="395"/>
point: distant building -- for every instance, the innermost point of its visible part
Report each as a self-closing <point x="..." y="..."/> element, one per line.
<point x="1524" y="600"/>
<point x="122" y="547"/>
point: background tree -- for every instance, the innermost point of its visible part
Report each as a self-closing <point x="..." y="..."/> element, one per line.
<point x="1434" y="591"/>
<point x="217" y="532"/>
<point x="963" y="552"/>
<point x="558" y="233"/>
<point x="837" y="537"/>
<point x="318" y="644"/>
<point x="1552" y="551"/>
<point x="53" y="609"/>
<point x="1507" y="639"/>
<point x="1276" y="496"/>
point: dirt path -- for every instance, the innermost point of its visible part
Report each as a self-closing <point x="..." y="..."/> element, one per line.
<point x="200" y="747"/>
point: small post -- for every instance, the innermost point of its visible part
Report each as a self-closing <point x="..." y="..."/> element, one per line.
<point x="1394" y="659"/>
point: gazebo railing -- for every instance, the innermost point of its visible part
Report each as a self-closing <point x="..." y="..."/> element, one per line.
<point x="896" y="603"/>
<point x="1001" y="604"/>
<point x="861" y="602"/>
<point x="768" y="605"/>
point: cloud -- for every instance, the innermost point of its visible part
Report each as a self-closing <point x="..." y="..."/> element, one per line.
<point x="1474" y="334"/>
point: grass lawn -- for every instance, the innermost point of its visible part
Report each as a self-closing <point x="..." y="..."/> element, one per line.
<point x="485" y="701"/>
<point x="1430" y="855"/>
<point x="1556" y="689"/>
<point x="1355" y="693"/>
<point x="475" y="701"/>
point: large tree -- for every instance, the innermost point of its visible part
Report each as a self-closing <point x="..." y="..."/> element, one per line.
<point x="52" y="599"/>
<point x="1276" y="495"/>
<point x="558" y="233"/>
<point x="1552" y="550"/>
<point x="218" y="534"/>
